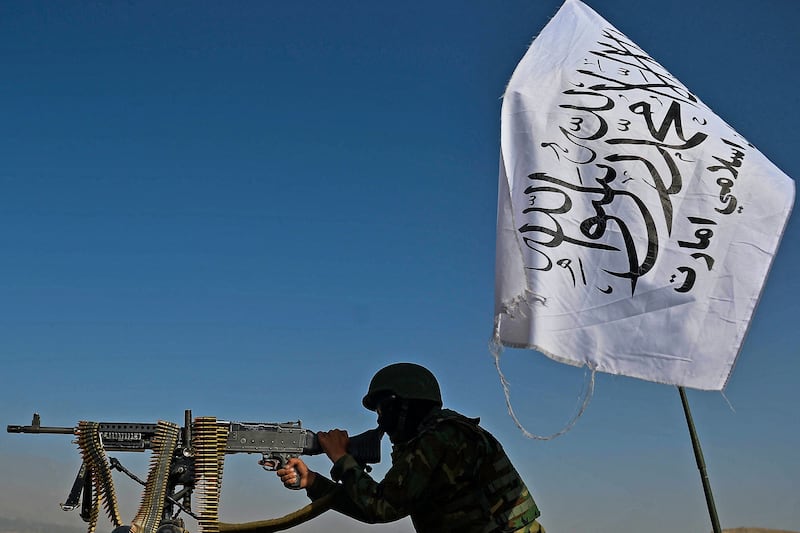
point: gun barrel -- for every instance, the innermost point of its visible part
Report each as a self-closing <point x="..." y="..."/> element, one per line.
<point x="40" y="429"/>
<point x="36" y="427"/>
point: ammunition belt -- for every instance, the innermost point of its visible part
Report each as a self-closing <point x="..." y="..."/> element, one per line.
<point x="208" y="447"/>
<point x="155" y="490"/>
<point x="94" y="457"/>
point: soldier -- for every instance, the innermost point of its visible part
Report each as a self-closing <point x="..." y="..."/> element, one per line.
<point x="447" y="472"/>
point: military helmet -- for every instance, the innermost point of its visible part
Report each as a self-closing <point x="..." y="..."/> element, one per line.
<point x="408" y="381"/>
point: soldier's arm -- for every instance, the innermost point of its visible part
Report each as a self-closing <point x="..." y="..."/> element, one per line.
<point x="407" y="482"/>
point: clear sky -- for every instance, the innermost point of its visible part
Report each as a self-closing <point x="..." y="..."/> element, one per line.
<point x="245" y="209"/>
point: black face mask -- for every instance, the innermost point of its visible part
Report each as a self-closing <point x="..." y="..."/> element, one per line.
<point x="389" y="415"/>
<point x="400" y="419"/>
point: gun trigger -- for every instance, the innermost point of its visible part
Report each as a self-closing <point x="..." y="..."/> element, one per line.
<point x="269" y="464"/>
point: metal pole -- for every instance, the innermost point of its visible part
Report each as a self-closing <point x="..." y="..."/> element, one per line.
<point x="701" y="465"/>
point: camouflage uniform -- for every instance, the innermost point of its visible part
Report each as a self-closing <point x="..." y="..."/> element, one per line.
<point x="452" y="476"/>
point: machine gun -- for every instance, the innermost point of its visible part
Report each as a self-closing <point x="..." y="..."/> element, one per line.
<point x="190" y="457"/>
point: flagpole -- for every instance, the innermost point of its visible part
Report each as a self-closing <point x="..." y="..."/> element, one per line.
<point x="701" y="465"/>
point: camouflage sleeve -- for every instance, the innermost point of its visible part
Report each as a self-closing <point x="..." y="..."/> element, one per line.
<point x="323" y="486"/>
<point x="320" y="487"/>
<point x="406" y="482"/>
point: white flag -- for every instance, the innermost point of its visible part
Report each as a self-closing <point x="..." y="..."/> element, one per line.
<point x="635" y="227"/>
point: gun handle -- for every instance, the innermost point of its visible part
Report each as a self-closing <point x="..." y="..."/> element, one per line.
<point x="296" y="484"/>
<point x="364" y="447"/>
<point x="276" y="462"/>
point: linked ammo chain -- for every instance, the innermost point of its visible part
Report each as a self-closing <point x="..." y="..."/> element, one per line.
<point x="155" y="491"/>
<point x="208" y="445"/>
<point x="94" y="456"/>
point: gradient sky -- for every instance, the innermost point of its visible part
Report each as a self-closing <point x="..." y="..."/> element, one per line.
<point x="245" y="209"/>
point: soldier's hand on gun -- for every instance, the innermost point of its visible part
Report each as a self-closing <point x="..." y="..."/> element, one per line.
<point x="334" y="443"/>
<point x="296" y="475"/>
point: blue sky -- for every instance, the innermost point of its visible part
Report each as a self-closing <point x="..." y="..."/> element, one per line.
<point x="247" y="209"/>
